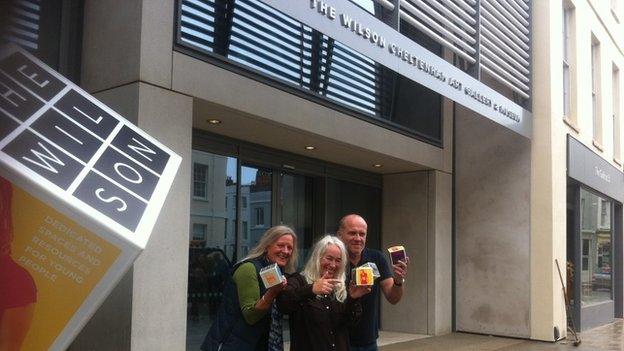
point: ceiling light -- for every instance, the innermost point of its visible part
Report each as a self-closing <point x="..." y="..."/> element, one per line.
<point x="377" y="165"/>
<point x="214" y="121"/>
<point x="310" y="147"/>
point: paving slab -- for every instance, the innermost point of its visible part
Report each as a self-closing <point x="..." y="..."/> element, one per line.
<point x="605" y="338"/>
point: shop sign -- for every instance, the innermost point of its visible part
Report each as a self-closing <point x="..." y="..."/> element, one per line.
<point x="594" y="171"/>
<point x="356" y="28"/>
<point x="81" y="190"/>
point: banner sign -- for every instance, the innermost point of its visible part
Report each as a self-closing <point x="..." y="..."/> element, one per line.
<point x="82" y="189"/>
<point x="592" y="170"/>
<point x="351" y="25"/>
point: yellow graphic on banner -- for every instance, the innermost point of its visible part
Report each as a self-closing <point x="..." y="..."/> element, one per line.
<point x="65" y="262"/>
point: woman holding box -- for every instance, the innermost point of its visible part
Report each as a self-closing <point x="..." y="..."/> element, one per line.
<point x="320" y="307"/>
<point x="247" y="314"/>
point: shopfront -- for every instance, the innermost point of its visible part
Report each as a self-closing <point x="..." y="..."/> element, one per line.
<point x="594" y="237"/>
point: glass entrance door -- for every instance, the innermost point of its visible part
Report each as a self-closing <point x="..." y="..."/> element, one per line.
<point x="295" y="205"/>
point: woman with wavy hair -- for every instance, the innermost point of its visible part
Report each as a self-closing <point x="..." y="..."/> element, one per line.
<point x="248" y="319"/>
<point x="320" y="307"/>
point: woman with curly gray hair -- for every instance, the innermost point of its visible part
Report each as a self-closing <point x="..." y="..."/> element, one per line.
<point x="320" y="306"/>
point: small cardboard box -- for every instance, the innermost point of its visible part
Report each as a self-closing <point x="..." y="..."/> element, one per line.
<point x="271" y="275"/>
<point x="397" y="253"/>
<point x="363" y="276"/>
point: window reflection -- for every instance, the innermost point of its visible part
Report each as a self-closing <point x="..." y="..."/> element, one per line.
<point x="256" y="185"/>
<point x="212" y="239"/>
<point x="596" y="248"/>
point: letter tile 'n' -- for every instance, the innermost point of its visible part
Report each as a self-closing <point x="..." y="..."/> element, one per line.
<point x="141" y="149"/>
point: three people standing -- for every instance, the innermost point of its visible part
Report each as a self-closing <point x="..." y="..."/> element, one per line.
<point x="326" y="310"/>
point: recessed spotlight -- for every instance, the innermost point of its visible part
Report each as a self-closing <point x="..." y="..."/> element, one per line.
<point x="377" y="165"/>
<point x="310" y="147"/>
<point x="214" y="121"/>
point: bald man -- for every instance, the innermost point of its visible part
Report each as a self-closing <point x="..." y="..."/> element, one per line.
<point x="352" y="231"/>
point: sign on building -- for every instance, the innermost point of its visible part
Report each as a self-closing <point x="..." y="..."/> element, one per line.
<point x="81" y="191"/>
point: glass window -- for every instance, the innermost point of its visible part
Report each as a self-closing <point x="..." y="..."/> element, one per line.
<point x="615" y="86"/>
<point x="269" y="43"/>
<point x="368" y="5"/>
<point x="345" y="197"/>
<point x="259" y="216"/>
<point x="199" y="231"/>
<point x="567" y="19"/>
<point x="296" y="199"/>
<point x="209" y="262"/>
<point x="595" y="89"/>
<point x="51" y="30"/>
<point x="200" y="181"/>
<point x="596" y="250"/>
<point x="257" y="185"/>
<point x="245" y="231"/>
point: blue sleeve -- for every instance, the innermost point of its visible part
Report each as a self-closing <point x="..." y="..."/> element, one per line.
<point x="384" y="267"/>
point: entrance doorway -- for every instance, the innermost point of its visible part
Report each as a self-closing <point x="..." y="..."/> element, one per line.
<point x="240" y="192"/>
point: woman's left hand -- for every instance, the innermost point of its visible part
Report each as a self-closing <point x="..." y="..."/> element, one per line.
<point x="275" y="290"/>
<point x="355" y="292"/>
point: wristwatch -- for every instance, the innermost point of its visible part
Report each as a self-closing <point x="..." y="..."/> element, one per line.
<point x="398" y="282"/>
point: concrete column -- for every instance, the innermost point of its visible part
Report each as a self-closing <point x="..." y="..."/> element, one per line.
<point x="125" y="41"/>
<point x="160" y="272"/>
<point x="492" y="186"/>
<point x="416" y="213"/>
<point x="548" y="175"/>
<point x="439" y="242"/>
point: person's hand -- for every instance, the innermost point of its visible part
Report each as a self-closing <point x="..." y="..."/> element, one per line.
<point x="325" y="285"/>
<point x="400" y="270"/>
<point x="355" y="292"/>
<point x="273" y="291"/>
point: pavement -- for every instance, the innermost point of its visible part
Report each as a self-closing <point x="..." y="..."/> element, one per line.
<point x="605" y="338"/>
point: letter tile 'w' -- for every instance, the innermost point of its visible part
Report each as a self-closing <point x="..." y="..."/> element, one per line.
<point x="44" y="158"/>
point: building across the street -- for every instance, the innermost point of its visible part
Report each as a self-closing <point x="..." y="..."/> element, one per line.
<point x="484" y="136"/>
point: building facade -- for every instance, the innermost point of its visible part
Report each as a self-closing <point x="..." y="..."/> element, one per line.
<point x="466" y="132"/>
<point x="577" y="116"/>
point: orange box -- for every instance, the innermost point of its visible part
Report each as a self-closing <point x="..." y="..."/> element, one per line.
<point x="363" y="276"/>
